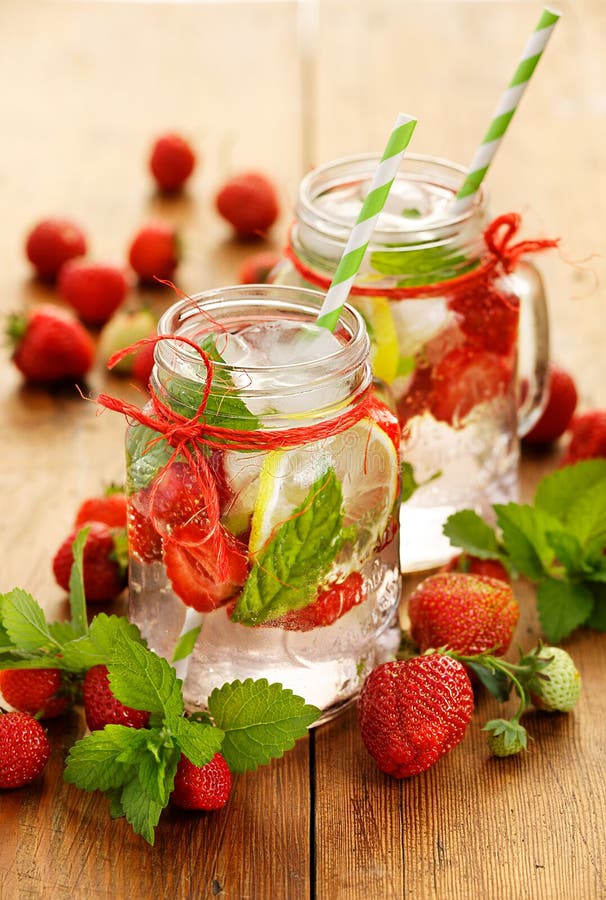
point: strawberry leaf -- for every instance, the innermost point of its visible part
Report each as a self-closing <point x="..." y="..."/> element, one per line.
<point x="494" y="680"/>
<point x="597" y="619"/>
<point x="260" y="720"/>
<point x="77" y="598"/>
<point x="286" y="571"/>
<point x="562" y="607"/>
<point x="142" y="680"/>
<point x="467" y="530"/>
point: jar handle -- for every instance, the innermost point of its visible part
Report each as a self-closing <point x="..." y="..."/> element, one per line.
<point x="533" y="350"/>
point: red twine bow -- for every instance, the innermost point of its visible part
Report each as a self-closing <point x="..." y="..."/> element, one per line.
<point x="498" y="238"/>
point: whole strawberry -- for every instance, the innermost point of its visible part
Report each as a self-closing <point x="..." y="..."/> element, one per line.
<point x="474" y="565"/>
<point x="561" y="403"/>
<point x="256" y="268"/>
<point x="51" y="243"/>
<point x="50" y="345"/>
<point x="101" y="708"/>
<point x="104" y="562"/>
<point x="24" y="749"/>
<point x="39" y="692"/>
<point x="587" y="437"/>
<point x="412" y="712"/>
<point x="201" y="787"/>
<point x="249" y="203"/>
<point x="93" y="290"/>
<point x="171" y="162"/>
<point x="467" y="613"/>
<point x="555" y="687"/>
<point x="154" y="252"/>
<point x="110" y="509"/>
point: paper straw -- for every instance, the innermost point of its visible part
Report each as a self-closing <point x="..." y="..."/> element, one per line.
<point x="365" y="223"/>
<point x="505" y="110"/>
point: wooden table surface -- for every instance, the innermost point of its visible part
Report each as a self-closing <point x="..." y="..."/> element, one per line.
<point x="281" y="86"/>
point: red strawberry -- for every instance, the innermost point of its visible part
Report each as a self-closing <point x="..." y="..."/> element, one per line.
<point x="488" y="318"/>
<point x="473" y="565"/>
<point x="201" y="787"/>
<point x="51" y="243"/>
<point x="382" y="416"/>
<point x="101" y="708"/>
<point x="412" y="712"/>
<point x="587" y="437"/>
<point x="463" y="379"/>
<point x="94" y="290"/>
<point x="249" y="203"/>
<point x="171" y="162"/>
<point x="34" y="691"/>
<point x="24" y="749"/>
<point x="154" y="252"/>
<point x="330" y="604"/>
<point x="110" y="509"/>
<point x="468" y="613"/>
<point x="144" y="541"/>
<point x="561" y="403"/>
<point x="50" y="345"/>
<point x="206" y="576"/>
<point x="104" y="562"/>
<point x="256" y="268"/>
<point x="417" y="398"/>
<point x="143" y="363"/>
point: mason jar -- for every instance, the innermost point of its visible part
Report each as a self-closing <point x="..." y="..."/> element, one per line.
<point x="458" y="325"/>
<point x="263" y="483"/>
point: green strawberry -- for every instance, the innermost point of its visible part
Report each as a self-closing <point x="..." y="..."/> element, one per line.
<point x="505" y="738"/>
<point x="556" y="687"/>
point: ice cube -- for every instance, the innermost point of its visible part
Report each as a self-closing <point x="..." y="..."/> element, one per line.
<point x="418" y="321"/>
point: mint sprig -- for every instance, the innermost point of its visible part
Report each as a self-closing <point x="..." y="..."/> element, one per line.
<point x="558" y="543"/>
<point x="250" y="723"/>
<point x="287" y="570"/>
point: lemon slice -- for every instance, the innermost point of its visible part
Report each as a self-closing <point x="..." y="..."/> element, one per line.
<point x="366" y="464"/>
<point x="385" y="351"/>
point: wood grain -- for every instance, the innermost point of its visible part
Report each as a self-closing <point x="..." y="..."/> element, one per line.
<point x="278" y="86"/>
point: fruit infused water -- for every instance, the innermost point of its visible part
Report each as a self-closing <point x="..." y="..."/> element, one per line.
<point x="451" y="309"/>
<point x="264" y="484"/>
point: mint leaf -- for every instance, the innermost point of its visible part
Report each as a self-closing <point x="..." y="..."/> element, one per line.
<point x="96" y="647"/>
<point x="62" y="632"/>
<point x="562" y="607"/>
<point x="142" y="811"/>
<point x="146" y="453"/>
<point x="156" y="772"/>
<point x="199" y="742"/>
<point x="77" y="598"/>
<point x="467" y="530"/>
<point x="286" y="572"/>
<point x="421" y="266"/>
<point x="558" y="492"/>
<point x="24" y="621"/>
<point x="524" y="532"/>
<point x="260" y="720"/>
<point x="408" y="483"/>
<point x="186" y="643"/>
<point x="142" y="680"/>
<point x="93" y="762"/>
<point x="566" y="549"/>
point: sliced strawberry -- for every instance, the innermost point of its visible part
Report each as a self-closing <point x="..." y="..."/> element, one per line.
<point x="465" y="378"/>
<point x="144" y="541"/>
<point x="178" y="505"/>
<point x="416" y="399"/>
<point x="208" y="575"/>
<point x="332" y="603"/>
<point x="382" y="416"/>
<point x="488" y="317"/>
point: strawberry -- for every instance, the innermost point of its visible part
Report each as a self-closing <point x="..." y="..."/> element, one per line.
<point x="104" y="562"/>
<point x="110" y="509"/>
<point x="556" y="686"/>
<point x="154" y="252"/>
<point x="24" y="749"/>
<point x="468" y="613"/>
<point x="382" y="416"/>
<point x="123" y="329"/>
<point x="561" y="403"/>
<point x="50" y="345"/>
<point x="488" y="318"/>
<point x="144" y="542"/>
<point x="35" y="691"/>
<point x="101" y="708"/>
<point x="416" y="399"/>
<point x="465" y="378"/>
<point x="51" y="243"/>
<point x="195" y="574"/>
<point x="143" y="364"/>
<point x="256" y="268"/>
<point x="412" y="712"/>
<point x="330" y="604"/>
<point x="505" y="738"/>
<point x="171" y="162"/>
<point x="94" y="290"/>
<point x="587" y="437"/>
<point x="473" y="565"/>
<point x="249" y="203"/>
<point x="201" y="787"/>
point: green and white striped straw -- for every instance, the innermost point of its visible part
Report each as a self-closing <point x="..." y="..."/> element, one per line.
<point x="374" y="202"/>
<point x="505" y="110"/>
